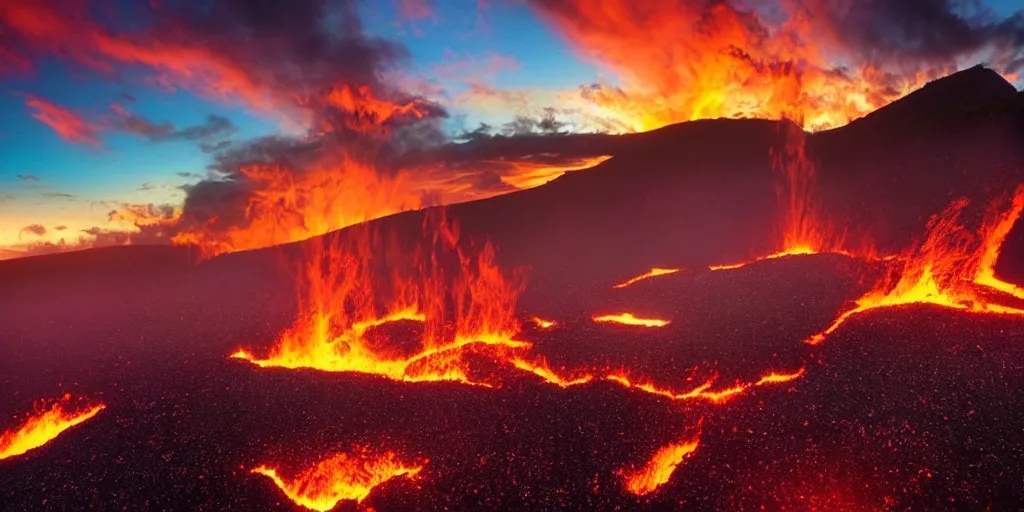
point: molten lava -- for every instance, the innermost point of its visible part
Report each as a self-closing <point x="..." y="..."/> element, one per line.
<point x="542" y="323"/>
<point x="46" y="423"/>
<point x="629" y="319"/>
<point x="951" y="268"/>
<point x="341" y="477"/>
<point x="703" y="391"/>
<point x="541" y="369"/>
<point x="459" y="297"/>
<point x="654" y="272"/>
<point x="657" y="471"/>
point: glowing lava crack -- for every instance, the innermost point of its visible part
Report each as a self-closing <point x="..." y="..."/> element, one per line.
<point x="44" y="425"/>
<point x="654" y="272"/>
<point x="341" y="477"/>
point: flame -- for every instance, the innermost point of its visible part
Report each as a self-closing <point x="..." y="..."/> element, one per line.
<point x="288" y="206"/>
<point x="681" y="61"/>
<point x="542" y="370"/>
<point x="702" y="392"/>
<point x="629" y="319"/>
<point x="45" y="424"/>
<point x="542" y="323"/>
<point x="338" y="299"/>
<point x="654" y="272"/>
<point x="657" y="471"/>
<point x="947" y="268"/>
<point x="341" y="477"/>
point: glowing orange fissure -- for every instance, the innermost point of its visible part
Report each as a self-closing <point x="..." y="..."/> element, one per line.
<point x="658" y="470"/>
<point x="654" y="272"/>
<point x="542" y="323"/>
<point x="630" y="319"/>
<point x="947" y="268"/>
<point x="341" y="477"/>
<point x="48" y="421"/>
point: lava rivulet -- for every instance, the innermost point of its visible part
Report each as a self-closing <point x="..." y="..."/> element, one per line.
<point x="703" y="391"/>
<point x="541" y="369"/>
<point x="339" y="297"/>
<point x="630" y="319"/>
<point x="341" y="477"/>
<point x="657" y="471"/>
<point x="950" y="268"/>
<point x="45" y="424"/>
<point x="654" y="272"/>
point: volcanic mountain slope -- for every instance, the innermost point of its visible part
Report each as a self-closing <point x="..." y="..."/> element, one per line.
<point x="720" y="406"/>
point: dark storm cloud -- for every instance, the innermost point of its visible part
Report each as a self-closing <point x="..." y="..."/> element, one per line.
<point x="211" y="132"/>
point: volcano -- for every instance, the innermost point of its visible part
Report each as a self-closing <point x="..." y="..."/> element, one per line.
<point x="632" y="336"/>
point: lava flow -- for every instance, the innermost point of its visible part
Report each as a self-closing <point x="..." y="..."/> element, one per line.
<point x="630" y="319"/>
<point x="340" y="306"/>
<point x="951" y="268"/>
<point x="703" y="391"/>
<point x="657" y="471"/>
<point x="654" y="272"/>
<point x="341" y="477"/>
<point x="45" y="424"/>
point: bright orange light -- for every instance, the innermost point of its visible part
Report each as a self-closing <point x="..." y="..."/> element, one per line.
<point x="341" y="477"/>
<point x="542" y="370"/>
<point x="45" y="424"/>
<point x="654" y="272"/>
<point x="340" y="285"/>
<point x="629" y="319"/>
<point x="543" y="324"/>
<point x="947" y="268"/>
<point x="703" y="391"/>
<point x="658" y="470"/>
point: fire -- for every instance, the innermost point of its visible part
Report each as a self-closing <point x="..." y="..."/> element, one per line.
<point x="542" y="370"/>
<point x="630" y="319"/>
<point x="45" y="424"/>
<point x="681" y="61"/>
<point x="947" y="269"/>
<point x="657" y="471"/>
<point x="542" y="323"/>
<point x="341" y="477"/>
<point x="288" y="206"/>
<point x="703" y="391"/>
<point x="339" y="309"/>
<point x="654" y="272"/>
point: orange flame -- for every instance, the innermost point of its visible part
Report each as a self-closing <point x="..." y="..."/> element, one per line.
<point x="657" y="471"/>
<point x="338" y="310"/>
<point x="630" y="319"/>
<point x="288" y="206"/>
<point x="681" y="61"/>
<point x="654" y="272"/>
<point x="341" y="477"/>
<point x="542" y="323"/>
<point x="43" y="426"/>
<point x="947" y="268"/>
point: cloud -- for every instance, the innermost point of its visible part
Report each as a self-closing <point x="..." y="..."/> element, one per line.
<point x="28" y="177"/>
<point x="413" y="10"/>
<point x="33" y="229"/>
<point x="212" y="131"/>
<point x="820" y="61"/>
<point x="67" y="124"/>
<point x="59" y="195"/>
<point x="60" y="228"/>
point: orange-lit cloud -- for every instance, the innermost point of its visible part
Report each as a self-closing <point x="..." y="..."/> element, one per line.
<point x="68" y="125"/>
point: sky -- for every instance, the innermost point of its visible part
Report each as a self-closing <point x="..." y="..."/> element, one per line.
<point x="85" y="130"/>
